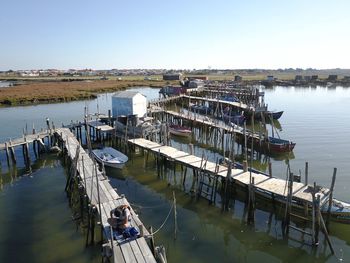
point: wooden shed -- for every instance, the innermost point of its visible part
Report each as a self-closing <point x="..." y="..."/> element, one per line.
<point x="129" y="103"/>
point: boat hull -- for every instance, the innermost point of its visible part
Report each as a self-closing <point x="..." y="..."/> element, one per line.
<point x="180" y="131"/>
<point x="110" y="157"/>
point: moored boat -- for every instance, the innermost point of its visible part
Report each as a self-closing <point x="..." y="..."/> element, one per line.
<point x="180" y="131"/>
<point x="235" y="119"/>
<point x="279" y="145"/>
<point x="110" y="157"/>
<point x="340" y="211"/>
<point x="202" y="109"/>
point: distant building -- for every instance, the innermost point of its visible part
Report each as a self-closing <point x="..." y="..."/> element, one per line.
<point x="307" y="78"/>
<point x="298" y="78"/>
<point x="175" y="76"/>
<point x="332" y="77"/>
<point x="198" y="77"/>
<point x="270" y="78"/>
<point x="196" y="84"/>
<point x="347" y="78"/>
<point x="238" y="78"/>
<point x="129" y="103"/>
<point x="314" y="77"/>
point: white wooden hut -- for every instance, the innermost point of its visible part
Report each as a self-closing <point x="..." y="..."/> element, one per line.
<point x="129" y="103"/>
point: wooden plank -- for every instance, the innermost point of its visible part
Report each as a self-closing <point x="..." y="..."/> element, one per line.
<point x="137" y="251"/>
<point x="147" y="253"/>
<point x="127" y="253"/>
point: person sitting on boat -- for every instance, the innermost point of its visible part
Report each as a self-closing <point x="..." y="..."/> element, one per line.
<point x="121" y="217"/>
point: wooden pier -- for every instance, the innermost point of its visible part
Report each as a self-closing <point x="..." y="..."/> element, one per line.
<point x="307" y="200"/>
<point x="103" y="198"/>
<point x="271" y="185"/>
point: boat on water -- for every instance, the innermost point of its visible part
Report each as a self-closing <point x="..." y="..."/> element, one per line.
<point x="201" y="109"/>
<point x="180" y="131"/>
<point x="236" y="119"/>
<point x="110" y="157"/>
<point x="278" y="145"/>
<point x="340" y="211"/>
<point x="275" y="115"/>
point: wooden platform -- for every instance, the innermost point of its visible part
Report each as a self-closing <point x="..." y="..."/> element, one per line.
<point x="263" y="183"/>
<point x="25" y="139"/>
<point x="211" y="122"/>
<point x="131" y="250"/>
<point x="182" y="96"/>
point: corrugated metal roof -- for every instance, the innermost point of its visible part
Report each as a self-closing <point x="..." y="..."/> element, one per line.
<point x="126" y="94"/>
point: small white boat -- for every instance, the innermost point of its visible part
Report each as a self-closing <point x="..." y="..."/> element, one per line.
<point x="110" y="157"/>
<point x="180" y="131"/>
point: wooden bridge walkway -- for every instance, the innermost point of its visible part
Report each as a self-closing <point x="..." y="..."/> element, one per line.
<point x="102" y="195"/>
<point x="25" y="139"/>
<point x="193" y="98"/>
<point x="205" y="120"/>
<point x="262" y="183"/>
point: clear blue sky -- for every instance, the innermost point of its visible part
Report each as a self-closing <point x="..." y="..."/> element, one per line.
<point x="188" y="34"/>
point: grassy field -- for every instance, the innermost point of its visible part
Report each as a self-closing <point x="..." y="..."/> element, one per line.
<point x="35" y="92"/>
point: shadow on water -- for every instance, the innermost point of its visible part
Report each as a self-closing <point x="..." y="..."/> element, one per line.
<point x="206" y="234"/>
<point x="35" y="219"/>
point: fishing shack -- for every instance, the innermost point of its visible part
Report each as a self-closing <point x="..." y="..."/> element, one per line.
<point x="129" y="103"/>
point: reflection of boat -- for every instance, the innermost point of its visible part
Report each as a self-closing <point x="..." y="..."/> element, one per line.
<point x="275" y="115"/>
<point x="180" y="130"/>
<point x="110" y="157"/>
<point x="340" y="211"/>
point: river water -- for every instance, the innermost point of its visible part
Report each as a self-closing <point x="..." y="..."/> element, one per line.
<point x="35" y="219"/>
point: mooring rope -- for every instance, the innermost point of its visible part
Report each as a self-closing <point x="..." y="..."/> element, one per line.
<point x="146" y="207"/>
<point x="161" y="226"/>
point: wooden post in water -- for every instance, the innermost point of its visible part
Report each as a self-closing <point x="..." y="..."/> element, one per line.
<point x="270" y="169"/>
<point x="306" y="173"/>
<point x="7" y="154"/>
<point x="251" y="201"/>
<point x="12" y="151"/>
<point x="317" y="216"/>
<point x="175" y="216"/>
<point x="331" y="193"/>
<point x="152" y="245"/>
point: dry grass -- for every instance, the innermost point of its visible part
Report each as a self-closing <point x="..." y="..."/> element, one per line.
<point x="42" y="92"/>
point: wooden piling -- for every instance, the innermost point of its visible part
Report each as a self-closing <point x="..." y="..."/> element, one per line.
<point x="306" y="173"/>
<point x="331" y="192"/>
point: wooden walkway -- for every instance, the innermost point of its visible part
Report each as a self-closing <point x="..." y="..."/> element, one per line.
<point x="195" y="117"/>
<point x="223" y="102"/>
<point x="101" y="194"/>
<point x="264" y="184"/>
<point x="25" y="139"/>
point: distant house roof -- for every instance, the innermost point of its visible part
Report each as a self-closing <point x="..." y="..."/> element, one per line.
<point x="126" y="94"/>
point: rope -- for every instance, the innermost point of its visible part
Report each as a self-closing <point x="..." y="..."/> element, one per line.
<point x="161" y="226"/>
<point x="146" y="207"/>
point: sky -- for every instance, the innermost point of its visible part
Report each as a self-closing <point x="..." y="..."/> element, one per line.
<point x="154" y="34"/>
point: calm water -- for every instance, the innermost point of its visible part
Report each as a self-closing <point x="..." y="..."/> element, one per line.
<point x="316" y="119"/>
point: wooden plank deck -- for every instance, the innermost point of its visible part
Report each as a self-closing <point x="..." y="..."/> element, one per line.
<point x="263" y="183"/>
<point x="132" y="250"/>
<point x="224" y="102"/>
<point x="211" y="122"/>
<point x="25" y="139"/>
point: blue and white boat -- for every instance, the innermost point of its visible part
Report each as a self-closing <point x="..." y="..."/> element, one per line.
<point x="110" y="157"/>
